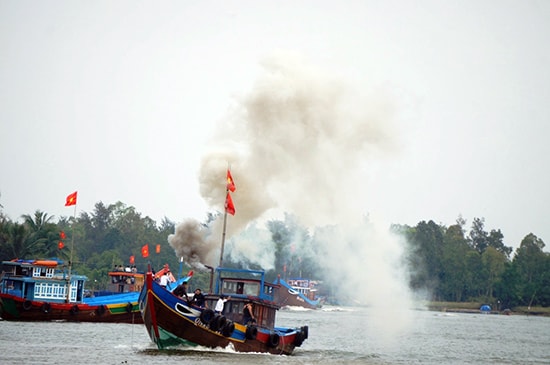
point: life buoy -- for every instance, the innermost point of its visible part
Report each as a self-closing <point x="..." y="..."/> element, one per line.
<point x="129" y="307"/>
<point x="45" y="308"/>
<point x="228" y="328"/>
<point x="206" y="316"/>
<point x="100" y="310"/>
<point x="213" y="324"/>
<point x="27" y="305"/>
<point x="74" y="309"/>
<point x="273" y="340"/>
<point x="221" y="321"/>
<point x="251" y="332"/>
<point x="217" y="322"/>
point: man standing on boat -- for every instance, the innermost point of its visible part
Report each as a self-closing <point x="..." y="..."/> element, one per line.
<point x="220" y="303"/>
<point x="165" y="279"/>
<point x="248" y="314"/>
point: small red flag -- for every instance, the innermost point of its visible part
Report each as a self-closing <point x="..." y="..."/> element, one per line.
<point x="145" y="251"/>
<point x="157" y="249"/>
<point x="229" y="207"/>
<point x="132" y="260"/>
<point x="71" y="199"/>
<point x="62" y="235"/>
<point x="230" y="182"/>
<point x="60" y="245"/>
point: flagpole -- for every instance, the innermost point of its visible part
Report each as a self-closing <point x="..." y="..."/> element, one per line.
<point x="71" y="256"/>
<point x="223" y="231"/>
<point x="225" y="213"/>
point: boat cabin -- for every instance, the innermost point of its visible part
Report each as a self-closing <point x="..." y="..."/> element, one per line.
<point x="41" y="280"/>
<point x="125" y="281"/>
<point x="245" y="286"/>
<point x="304" y="286"/>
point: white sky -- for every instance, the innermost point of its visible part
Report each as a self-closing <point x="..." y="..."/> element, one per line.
<point x="118" y="99"/>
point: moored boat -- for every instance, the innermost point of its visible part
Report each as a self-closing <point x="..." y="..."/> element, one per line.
<point x="42" y="290"/>
<point x="297" y="293"/>
<point x="170" y="320"/>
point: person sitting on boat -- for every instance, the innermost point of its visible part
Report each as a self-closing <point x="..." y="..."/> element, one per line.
<point x="248" y="314"/>
<point x="220" y="303"/>
<point x="199" y="299"/>
<point x="181" y="291"/>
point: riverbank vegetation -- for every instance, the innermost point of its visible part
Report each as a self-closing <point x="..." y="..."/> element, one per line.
<point x="452" y="264"/>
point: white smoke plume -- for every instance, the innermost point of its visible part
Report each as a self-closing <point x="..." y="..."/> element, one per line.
<point x="301" y="142"/>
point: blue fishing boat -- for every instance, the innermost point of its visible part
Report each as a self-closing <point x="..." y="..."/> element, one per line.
<point x="297" y="293"/>
<point x="43" y="290"/>
<point x="171" y="320"/>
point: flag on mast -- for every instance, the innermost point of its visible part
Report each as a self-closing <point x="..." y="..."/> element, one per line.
<point x="229" y="207"/>
<point x="145" y="251"/>
<point x="230" y="182"/>
<point x="71" y="199"/>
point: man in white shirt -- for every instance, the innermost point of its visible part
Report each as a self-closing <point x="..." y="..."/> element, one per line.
<point x="220" y="303"/>
<point x="165" y="279"/>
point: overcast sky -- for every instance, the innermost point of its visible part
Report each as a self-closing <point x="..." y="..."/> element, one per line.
<point x="121" y="101"/>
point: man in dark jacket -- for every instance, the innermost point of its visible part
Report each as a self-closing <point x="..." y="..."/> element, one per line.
<point x="199" y="299"/>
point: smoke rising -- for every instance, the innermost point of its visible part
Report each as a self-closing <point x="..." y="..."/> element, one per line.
<point x="301" y="142"/>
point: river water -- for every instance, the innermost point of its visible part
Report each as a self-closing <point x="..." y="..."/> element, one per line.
<point x="337" y="335"/>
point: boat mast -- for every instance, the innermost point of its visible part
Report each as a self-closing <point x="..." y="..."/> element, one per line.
<point x="71" y="257"/>
<point x="223" y="237"/>
<point x="229" y="185"/>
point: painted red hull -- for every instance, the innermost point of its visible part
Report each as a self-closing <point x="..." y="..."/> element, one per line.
<point x="13" y="308"/>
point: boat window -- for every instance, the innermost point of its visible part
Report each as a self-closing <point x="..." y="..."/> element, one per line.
<point x="252" y="289"/>
<point x="49" y="291"/>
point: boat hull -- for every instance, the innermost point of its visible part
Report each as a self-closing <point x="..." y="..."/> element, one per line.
<point x="170" y="321"/>
<point x="289" y="297"/>
<point x="13" y="308"/>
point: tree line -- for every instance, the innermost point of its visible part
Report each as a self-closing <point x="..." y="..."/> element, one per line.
<point x="451" y="263"/>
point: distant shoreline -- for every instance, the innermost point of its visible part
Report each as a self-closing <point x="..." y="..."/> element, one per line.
<point x="458" y="307"/>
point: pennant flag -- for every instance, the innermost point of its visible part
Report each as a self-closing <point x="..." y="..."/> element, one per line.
<point x="145" y="251"/>
<point x="157" y="249"/>
<point x="62" y="235"/>
<point x="71" y="199"/>
<point x="60" y="245"/>
<point x="229" y="207"/>
<point x="230" y="182"/>
<point x="132" y="260"/>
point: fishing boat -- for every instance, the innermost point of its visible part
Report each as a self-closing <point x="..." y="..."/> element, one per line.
<point x="297" y="293"/>
<point x="170" y="320"/>
<point x="43" y="290"/>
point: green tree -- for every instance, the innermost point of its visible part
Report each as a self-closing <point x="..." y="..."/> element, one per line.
<point x="531" y="266"/>
<point x="454" y="263"/>
<point x="478" y="235"/>
<point x="494" y="264"/>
